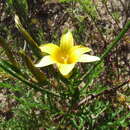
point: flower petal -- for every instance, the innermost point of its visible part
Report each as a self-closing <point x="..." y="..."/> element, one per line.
<point x="68" y="75"/>
<point x="88" y="58"/>
<point x="66" y="41"/>
<point x="76" y="52"/>
<point x="79" y="50"/>
<point x="45" y="61"/>
<point x="82" y="49"/>
<point x="49" y="48"/>
<point x="65" y="69"/>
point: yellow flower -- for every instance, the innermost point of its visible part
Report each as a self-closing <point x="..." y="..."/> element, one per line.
<point x="66" y="55"/>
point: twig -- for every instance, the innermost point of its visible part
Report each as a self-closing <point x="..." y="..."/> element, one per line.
<point x="111" y="90"/>
<point x="105" y="54"/>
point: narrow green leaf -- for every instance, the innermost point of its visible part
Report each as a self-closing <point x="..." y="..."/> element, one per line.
<point x="12" y="87"/>
<point x="25" y="81"/>
<point x="27" y="36"/>
<point x="14" y="68"/>
<point x="106" y="52"/>
<point x="38" y="74"/>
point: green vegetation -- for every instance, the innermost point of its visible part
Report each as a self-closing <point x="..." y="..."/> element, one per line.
<point x="95" y="97"/>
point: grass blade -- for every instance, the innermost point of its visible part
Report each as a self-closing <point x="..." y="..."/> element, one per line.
<point x="25" y="81"/>
<point x="38" y="74"/>
<point x="107" y="51"/>
<point x="27" y="36"/>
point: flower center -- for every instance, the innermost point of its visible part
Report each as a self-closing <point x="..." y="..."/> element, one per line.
<point x="63" y="57"/>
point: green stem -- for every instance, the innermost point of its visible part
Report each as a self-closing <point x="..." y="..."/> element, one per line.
<point x="25" y="81"/>
<point x="105" y="54"/>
